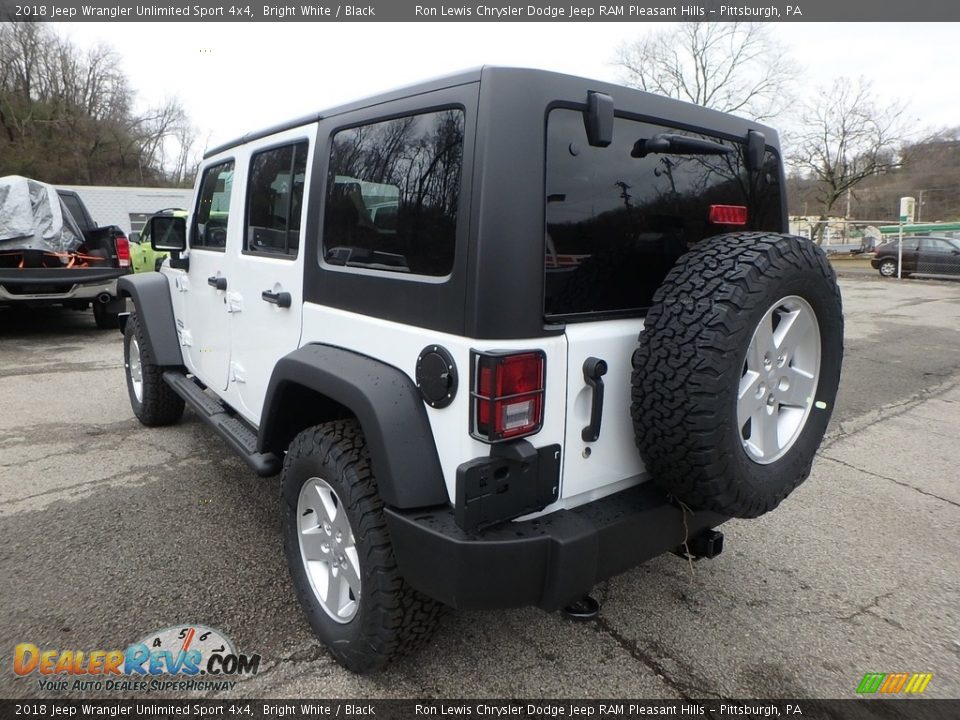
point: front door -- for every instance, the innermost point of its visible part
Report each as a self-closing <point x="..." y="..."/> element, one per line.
<point x="206" y="332"/>
<point x="267" y="275"/>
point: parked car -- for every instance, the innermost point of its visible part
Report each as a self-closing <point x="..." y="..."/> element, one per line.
<point x="462" y="413"/>
<point x="53" y="253"/>
<point x="142" y="255"/>
<point x="921" y="254"/>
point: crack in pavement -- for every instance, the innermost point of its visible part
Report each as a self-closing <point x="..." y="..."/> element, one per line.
<point x="893" y="480"/>
<point x="142" y="471"/>
<point x="887" y="412"/>
<point x="873" y="604"/>
<point x="60" y="369"/>
<point x="603" y="626"/>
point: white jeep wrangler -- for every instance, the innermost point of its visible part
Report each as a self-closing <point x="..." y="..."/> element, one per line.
<point x="503" y="334"/>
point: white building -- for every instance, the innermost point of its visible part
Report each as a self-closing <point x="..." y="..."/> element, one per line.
<point x="128" y="207"/>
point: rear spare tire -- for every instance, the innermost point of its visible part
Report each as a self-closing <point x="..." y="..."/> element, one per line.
<point x="737" y="370"/>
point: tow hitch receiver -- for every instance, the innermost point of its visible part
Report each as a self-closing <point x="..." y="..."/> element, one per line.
<point x="705" y="544"/>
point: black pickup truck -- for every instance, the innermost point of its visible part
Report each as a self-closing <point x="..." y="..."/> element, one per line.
<point x="75" y="275"/>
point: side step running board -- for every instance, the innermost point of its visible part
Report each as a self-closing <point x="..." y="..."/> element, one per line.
<point x="241" y="437"/>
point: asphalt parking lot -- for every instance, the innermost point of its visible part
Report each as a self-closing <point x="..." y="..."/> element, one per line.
<point x="111" y="530"/>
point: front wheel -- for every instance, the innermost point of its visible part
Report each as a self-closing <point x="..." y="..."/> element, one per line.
<point x="888" y="268"/>
<point x="339" y="552"/>
<point x="153" y="401"/>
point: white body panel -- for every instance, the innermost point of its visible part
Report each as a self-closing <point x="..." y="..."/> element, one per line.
<point x="206" y="320"/>
<point x="234" y="338"/>
<point x="612" y="462"/>
<point x="400" y="345"/>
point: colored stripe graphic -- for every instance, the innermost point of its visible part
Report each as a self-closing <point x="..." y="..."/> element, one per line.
<point x="918" y="683"/>
<point x="871" y="683"/>
<point x="893" y="683"/>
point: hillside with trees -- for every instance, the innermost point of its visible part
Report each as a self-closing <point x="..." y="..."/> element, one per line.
<point x="68" y="115"/>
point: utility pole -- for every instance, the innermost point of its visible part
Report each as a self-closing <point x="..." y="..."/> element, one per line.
<point x="920" y="205"/>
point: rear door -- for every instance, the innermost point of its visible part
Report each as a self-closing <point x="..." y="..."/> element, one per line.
<point x="616" y="221"/>
<point x="267" y="271"/>
<point x="937" y="256"/>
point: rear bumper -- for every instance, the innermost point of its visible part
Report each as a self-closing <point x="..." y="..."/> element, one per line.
<point x="548" y="562"/>
<point x="52" y="285"/>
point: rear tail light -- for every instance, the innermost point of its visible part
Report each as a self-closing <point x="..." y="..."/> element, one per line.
<point x="123" y="251"/>
<point x="728" y="214"/>
<point x="507" y="396"/>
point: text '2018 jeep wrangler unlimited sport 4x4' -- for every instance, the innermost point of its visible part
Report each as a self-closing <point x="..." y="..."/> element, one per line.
<point x="504" y="334"/>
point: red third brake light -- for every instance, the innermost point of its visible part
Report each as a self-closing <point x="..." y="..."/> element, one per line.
<point x="123" y="251"/>
<point x="728" y="214"/>
<point x="507" y="397"/>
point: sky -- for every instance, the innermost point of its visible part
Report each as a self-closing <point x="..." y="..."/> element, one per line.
<point x="233" y="77"/>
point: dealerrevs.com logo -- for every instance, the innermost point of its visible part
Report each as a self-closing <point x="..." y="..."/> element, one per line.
<point x="178" y="658"/>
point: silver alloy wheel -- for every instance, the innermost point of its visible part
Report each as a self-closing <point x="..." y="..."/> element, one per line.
<point x="328" y="550"/>
<point x="888" y="268"/>
<point x="136" y="370"/>
<point x="779" y="380"/>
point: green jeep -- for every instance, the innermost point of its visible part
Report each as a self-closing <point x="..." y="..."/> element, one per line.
<point x="143" y="257"/>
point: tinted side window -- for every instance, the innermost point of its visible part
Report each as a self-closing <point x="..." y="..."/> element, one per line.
<point x="275" y="199"/>
<point x="618" y="218"/>
<point x="77" y="210"/>
<point x="393" y="192"/>
<point x="209" y="228"/>
<point x="935" y="244"/>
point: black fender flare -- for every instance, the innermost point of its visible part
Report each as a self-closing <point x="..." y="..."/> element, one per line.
<point x="385" y="401"/>
<point x="150" y="293"/>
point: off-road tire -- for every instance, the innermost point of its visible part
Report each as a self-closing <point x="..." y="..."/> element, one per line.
<point x="392" y="619"/>
<point x="691" y="356"/>
<point x="105" y="320"/>
<point x="160" y="405"/>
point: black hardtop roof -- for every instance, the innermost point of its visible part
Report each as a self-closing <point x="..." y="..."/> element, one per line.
<point x="625" y="99"/>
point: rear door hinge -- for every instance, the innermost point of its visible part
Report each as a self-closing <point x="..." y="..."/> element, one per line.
<point x="237" y="373"/>
<point x="234" y="302"/>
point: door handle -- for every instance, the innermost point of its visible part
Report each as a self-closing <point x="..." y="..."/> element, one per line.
<point x="280" y="299"/>
<point x="220" y="283"/>
<point x="593" y="371"/>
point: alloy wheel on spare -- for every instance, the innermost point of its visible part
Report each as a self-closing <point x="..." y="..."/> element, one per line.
<point x="780" y="376"/>
<point x="328" y="550"/>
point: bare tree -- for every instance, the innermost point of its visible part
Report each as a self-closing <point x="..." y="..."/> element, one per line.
<point x="847" y="138"/>
<point x="66" y="115"/>
<point x="732" y="67"/>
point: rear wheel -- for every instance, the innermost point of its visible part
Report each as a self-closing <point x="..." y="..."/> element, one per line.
<point x="737" y="370"/>
<point x="340" y="555"/>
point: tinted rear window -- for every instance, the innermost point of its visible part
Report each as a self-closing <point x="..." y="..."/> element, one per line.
<point x="393" y="193"/>
<point x="615" y="224"/>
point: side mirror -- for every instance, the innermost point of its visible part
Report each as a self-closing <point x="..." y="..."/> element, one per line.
<point x="168" y="233"/>
<point x="756" y="150"/>
<point x="134" y="237"/>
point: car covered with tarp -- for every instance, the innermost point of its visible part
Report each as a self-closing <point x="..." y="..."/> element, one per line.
<point x="52" y="252"/>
